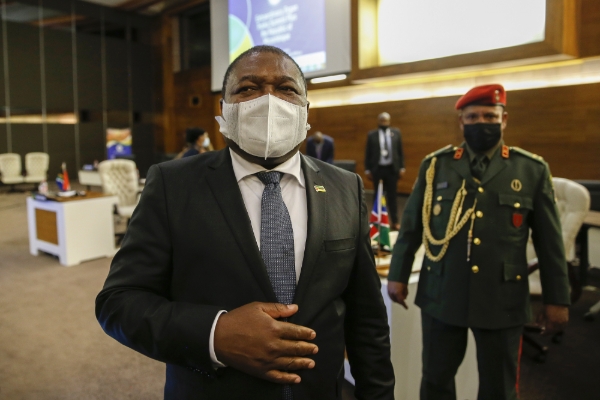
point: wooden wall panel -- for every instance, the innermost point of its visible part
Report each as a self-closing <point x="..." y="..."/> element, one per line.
<point x="188" y="84"/>
<point x="61" y="148"/>
<point x="3" y="139"/>
<point x="59" y="70"/>
<point x="589" y="31"/>
<point x="23" y="45"/>
<point x="561" y="124"/>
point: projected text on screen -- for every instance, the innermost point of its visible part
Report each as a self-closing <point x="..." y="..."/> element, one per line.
<point x="295" y="26"/>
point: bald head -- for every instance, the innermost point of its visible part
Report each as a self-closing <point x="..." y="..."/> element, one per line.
<point x="383" y="120"/>
<point x="318" y="137"/>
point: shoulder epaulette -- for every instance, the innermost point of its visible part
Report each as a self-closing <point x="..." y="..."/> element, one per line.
<point x="527" y="154"/>
<point x="443" y="150"/>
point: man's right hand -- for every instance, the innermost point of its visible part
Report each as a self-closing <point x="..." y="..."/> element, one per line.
<point x="398" y="292"/>
<point x="369" y="175"/>
<point x="251" y="339"/>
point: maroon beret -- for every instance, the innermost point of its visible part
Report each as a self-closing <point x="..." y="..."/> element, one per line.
<point x="489" y="95"/>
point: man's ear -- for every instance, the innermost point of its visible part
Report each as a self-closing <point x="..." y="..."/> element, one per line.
<point x="460" y="123"/>
<point x="504" y="120"/>
<point x="221" y="106"/>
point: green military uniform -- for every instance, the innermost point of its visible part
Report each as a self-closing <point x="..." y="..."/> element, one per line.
<point x="478" y="278"/>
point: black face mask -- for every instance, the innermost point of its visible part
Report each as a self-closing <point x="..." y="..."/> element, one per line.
<point x="383" y="128"/>
<point x="482" y="137"/>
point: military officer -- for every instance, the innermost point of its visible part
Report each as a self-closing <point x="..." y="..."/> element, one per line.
<point x="472" y="207"/>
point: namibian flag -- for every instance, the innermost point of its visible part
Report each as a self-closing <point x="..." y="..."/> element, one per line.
<point x="380" y="224"/>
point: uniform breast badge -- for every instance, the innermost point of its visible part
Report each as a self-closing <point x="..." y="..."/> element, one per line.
<point x="517" y="219"/>
<point x="437" y="209"/>
<point x="516" y="185"/>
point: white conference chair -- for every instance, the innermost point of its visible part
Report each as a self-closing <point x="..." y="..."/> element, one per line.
<point x="36" y="167"/>
<point x="573" y="204"/>
<point x="11" y="170"/>
<point x="120" y="178"/>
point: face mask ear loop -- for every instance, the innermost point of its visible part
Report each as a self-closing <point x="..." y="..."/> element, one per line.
<point x="297" y="130"/>
<point x="269" y="127"/>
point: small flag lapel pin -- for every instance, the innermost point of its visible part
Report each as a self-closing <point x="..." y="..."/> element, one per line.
<point x="320" y="188"/>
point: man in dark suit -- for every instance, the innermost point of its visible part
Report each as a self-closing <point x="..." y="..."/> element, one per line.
<point x="472" y="208"/>
<point x="199" y="285"/>
<point x="320" y="147"/>
<point x="384" y="161"/>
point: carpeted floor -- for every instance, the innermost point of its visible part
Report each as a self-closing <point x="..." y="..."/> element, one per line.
<point x="572" y="368"/>
<point x="51" y="346"/>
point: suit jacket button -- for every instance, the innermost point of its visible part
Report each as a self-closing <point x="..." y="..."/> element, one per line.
<point x="518" y="277"/>
<point x="517" y="205"/>
<point x="428" y="268"/>
<point x="439" y="198"/>
<point x="475" y="269"/>
<point x="477" y="241"/>
<point x="480" y="189"/>
<point x="479" y="214"/>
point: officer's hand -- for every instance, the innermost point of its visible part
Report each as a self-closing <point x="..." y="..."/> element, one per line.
<point x="369" y="175"/>
<point x="401" y="173"/>
<point x="251" y="339"/>
<point x="398" y="292"/>
<point x="555" y="317"/>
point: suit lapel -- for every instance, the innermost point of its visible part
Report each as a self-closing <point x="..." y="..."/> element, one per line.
<point x="497" y="164"/>
<point x="463" y="168"/>
<point x="226" y="191"/>
<point x="316" y="204"/>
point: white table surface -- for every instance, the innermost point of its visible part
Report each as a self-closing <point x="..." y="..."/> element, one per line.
<point x="85" y="229"/>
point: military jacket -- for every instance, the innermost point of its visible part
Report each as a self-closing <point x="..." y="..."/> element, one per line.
<point x="491" y="289"/>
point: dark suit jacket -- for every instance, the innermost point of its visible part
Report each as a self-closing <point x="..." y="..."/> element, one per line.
<point x="326" y="151"/>
<point x="190" y="251"/>
<point x="373" y="151"/>
<point x="496" y="295"/>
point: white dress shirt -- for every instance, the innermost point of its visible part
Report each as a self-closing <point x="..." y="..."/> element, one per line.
<point x="385" y="144"/>
<point x="293" y="191"/>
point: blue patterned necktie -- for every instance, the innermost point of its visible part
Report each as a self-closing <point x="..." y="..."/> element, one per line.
<point x="277" y="245"/>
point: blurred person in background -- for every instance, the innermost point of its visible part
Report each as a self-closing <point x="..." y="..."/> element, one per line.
<point x="320" y="147"/>
<point x="384" y="161"/>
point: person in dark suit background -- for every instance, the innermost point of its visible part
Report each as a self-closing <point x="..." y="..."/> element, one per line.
<point x="193" y="284"/>
<point x="320" y="147"/>
<point x="473" y="207"/>
<point x="384" y="161"/>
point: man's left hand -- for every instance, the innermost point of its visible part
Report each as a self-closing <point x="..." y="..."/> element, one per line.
<point x="401" y="173"/>
<point x="555" y="317"/>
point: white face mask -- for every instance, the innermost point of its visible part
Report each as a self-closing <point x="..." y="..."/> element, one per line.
<point x="266" y="126"/>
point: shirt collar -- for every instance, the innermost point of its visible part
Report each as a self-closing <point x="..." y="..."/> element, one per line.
<point x="243" y="168"/>
<point x="490" y="153"/>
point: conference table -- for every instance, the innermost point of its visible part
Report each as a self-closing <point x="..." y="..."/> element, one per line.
<point x="75" y="229"/>
<point x="406" y="341"/>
